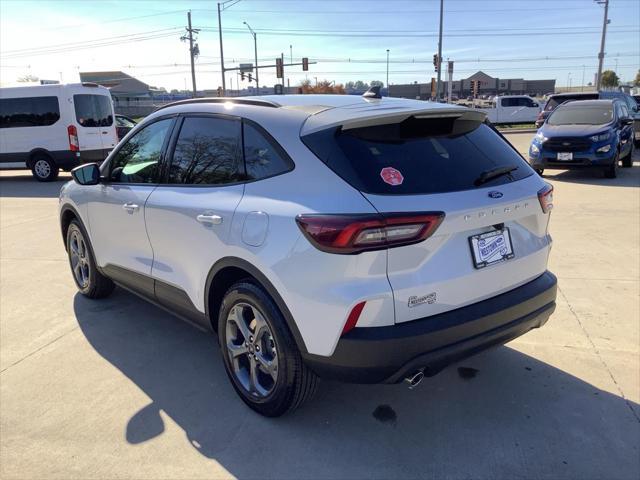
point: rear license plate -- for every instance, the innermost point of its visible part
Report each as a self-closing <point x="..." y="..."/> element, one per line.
<point x="565" y="156"/>
<point x="491" y="247"/>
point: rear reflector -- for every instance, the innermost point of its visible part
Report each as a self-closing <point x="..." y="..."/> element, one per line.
<point x="74" y="146"/>
<point x="349" y="234"/>
<point x="354" y="315"/>
<point x="545" y="195"/>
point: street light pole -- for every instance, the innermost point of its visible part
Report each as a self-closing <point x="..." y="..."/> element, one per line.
<point x="387" y="72"/>
<point x="602" y="41"/>
<point x="255" y="51"/>
<point x="439" y="51"/>
<point x="224" y="86"/>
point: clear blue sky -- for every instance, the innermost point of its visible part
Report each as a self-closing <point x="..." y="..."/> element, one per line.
<point x="44" y="38"/>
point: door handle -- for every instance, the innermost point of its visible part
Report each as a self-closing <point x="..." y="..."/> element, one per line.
<point x="210" y="219"/>
<point x="130" y="207"/>
<point x="105" y="133"/>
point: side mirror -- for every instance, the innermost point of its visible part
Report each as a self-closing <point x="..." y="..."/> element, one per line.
<point x="88" y="174"/>
<point x="627" y="121"/>
<point x="535" y="105"/>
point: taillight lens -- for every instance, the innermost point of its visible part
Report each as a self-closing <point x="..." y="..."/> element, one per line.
<point x="358" y="233"/>
<point x="74" y="146"/>
<point x="545" y="195"/>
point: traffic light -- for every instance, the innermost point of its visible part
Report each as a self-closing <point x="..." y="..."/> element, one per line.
<point x="305" y="64"/>
<point x="279" y="68"/>
<point x="219" y="91"/>
<point x="436" y="61"/>
<point x="249" y="77"/>
<point x="242" y="76"/>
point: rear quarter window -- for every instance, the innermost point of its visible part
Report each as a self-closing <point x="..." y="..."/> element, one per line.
<point x="424" y="152"/>
<point x="29" y="112"/>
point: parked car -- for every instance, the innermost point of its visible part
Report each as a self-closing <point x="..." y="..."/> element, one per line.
<point x="361" y="239"/>
<point x="585" y="133"/>
<point x="561" y="98"/>
<point x="632" y="106"/>
<point x="512" y="109"/>
<point x="124" y="125"/>
<point x="46" y="128"/>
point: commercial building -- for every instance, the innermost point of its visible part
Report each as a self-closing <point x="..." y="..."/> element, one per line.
<point x="487" y="86"/>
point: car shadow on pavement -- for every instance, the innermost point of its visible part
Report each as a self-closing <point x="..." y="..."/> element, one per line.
<point x="502" y="415"/>
<point x="24" y="185"/>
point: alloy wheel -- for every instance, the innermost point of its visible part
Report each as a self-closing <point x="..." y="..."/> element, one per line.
<point x="79" y="259"/>
<point x="251" y="350"/>
<point x="42" y="168"/>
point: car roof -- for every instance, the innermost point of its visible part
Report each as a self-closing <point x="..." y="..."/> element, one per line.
<point x="574" y="95"/>
<point x="318" y="112"/>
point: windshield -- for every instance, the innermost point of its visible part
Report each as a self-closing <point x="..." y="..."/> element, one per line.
<point x="581" y="115"/>
<point x="555" y="101"/>
<point x="124" y="122"/>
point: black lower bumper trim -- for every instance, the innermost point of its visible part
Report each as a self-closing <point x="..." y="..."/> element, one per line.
<point x="388" y="354"/>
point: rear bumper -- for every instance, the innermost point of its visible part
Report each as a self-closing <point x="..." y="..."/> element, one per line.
<point x="388" y="354"/>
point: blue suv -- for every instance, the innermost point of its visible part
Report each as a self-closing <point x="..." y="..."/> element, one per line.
<point x="587" y="133"/>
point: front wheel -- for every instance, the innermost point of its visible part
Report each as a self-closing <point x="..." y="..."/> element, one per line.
<point x="44" y="169"/>
<point x="260" y="354"/>
<point x="90" y="282"/>
<point x="627" y="161"/>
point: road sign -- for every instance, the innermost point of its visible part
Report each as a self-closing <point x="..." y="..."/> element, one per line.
<point x="246" y="67"/>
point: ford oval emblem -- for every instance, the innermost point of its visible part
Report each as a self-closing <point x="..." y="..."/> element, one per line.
<point x="495" y="194"/>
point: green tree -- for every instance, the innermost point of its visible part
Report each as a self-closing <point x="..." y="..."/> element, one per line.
<point x="610" y="79"/>
<point x="376" y="83"/>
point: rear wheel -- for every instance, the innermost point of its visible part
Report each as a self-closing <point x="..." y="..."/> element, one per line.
<point x="91" y="283"/>
<point x="44" y="169"/>
<point x="260" y="354"/>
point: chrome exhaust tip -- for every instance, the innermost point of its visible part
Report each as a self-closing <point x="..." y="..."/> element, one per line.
<point x="414" y="379"/>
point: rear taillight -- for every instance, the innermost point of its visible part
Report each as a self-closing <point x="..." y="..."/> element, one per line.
<point x="74" y="146"/>
<point x="545" y="195"/>
<point x="358" y="233"/>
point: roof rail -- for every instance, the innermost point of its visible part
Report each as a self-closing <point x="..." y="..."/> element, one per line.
<point x="240" y="101"/>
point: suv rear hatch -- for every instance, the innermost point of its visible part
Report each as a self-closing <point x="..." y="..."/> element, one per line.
<point x="494" y="234"/>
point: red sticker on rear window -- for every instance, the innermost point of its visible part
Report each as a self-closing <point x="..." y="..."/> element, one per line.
<point x="391" y="176"/>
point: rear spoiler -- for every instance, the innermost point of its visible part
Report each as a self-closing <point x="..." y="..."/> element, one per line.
<point x="391" y="115"/>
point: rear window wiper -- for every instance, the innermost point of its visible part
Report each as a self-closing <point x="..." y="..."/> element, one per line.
<point x="491" y="174"/>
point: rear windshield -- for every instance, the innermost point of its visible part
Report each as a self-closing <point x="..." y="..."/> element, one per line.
<point x="93" y="110"/>
<point x="581" y="115"/>
<point x="555" y="101"/>
<point x="417" y="156"/>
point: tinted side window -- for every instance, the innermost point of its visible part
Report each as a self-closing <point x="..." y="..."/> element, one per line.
<point x="624" y="112"/>
<point x="208" y="152"/>
<point x="263" y="157"/>
<point x="137" y="161"/>
<point x="93" y="110"/>
<point x="507" y="102"/>
<point x="29" y="112"/>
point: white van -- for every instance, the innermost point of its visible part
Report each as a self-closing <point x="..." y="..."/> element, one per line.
<point x="513" y="109"/>
<point x="45" y="128"/>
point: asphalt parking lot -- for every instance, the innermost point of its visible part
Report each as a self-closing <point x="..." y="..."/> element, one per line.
<point x="120" y="389"/>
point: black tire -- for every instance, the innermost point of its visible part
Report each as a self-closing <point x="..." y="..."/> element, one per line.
<point x="295" y="382"/>
<point x="539" y="171"/>
<point x="612" y="170"/>
<point x="44" y="169"/>
<point x="627" y="161"/>
<point x="96" y="285"/>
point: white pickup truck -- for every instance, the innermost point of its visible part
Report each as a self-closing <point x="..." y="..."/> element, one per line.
<point x="512" y="109"/>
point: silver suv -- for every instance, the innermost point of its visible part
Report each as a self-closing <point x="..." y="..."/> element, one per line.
<point x="361" y="239"/>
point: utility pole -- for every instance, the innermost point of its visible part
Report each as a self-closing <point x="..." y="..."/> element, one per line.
<point x="440" y="51"/>
<point x="602" y="42"/>
<point x="583" y="70"/>
<point x="224" y="89"/>
<point x="387" y="72"/>
<point x="193" y="50"/>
